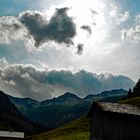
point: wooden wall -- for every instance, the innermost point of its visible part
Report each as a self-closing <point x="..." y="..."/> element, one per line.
<point x="114" y="126"/>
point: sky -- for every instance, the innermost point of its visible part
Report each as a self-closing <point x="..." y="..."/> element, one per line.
<point x="50" y="36"/>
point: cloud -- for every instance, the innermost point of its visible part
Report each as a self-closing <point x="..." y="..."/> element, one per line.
<point x="93" y="15"/>
<point x="10" y="29"/>
<point x="33" y="26"/>
<point x="80" y="48"/>
<point x="24" y="81"/>
<point x="118" y="17"/>
<point x="60" y="28"/>
<point x="3" y="63"/>
<point x="123" y="17"/>
<point x="27" y="81"/>
<point x="132" y="33"/>
<point x="87" y="28"/>
<point x="93" y="12"/>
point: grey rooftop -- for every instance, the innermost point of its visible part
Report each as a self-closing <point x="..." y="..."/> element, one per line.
<point x="119" y="108"/>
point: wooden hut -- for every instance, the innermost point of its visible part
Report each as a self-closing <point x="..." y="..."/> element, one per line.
<point x="113" y="121"/>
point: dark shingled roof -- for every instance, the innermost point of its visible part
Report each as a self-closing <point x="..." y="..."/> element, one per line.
<point x="119" y="108"/>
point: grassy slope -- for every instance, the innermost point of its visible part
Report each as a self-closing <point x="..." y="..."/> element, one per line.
<point x="76" y="130"/>
<point x="133" y="101"/>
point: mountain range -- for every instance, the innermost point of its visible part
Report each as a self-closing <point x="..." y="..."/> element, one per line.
<point x="63" y="109"/>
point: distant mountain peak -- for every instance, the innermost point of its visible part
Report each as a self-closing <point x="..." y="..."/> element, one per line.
<point x="67" y="98"/>
<point x="69" y="95"/>
<point x="107" y="94"/>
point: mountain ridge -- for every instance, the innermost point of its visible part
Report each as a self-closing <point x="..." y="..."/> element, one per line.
<point x="66" y="98"/>
<point x="63" y="109"/>
<point x="11" y="119"/>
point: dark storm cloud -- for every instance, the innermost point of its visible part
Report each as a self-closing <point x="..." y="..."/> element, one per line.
<point x="34" y="27"/>
<point x="87" y="28"/>
<point x="80" y="48"/>
<point x="60" y="28"/>
<point x="30" y="82"/>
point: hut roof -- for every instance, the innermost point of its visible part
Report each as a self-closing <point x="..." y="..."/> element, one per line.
<point x="119" y="108"/>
